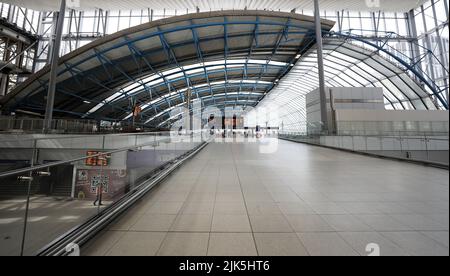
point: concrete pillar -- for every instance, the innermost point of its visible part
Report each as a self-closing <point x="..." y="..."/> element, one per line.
<point x="54" y="68"/>
<point x="3" y="84"/>
<point x="415" y="43"/>
<point x="323" y="98"/>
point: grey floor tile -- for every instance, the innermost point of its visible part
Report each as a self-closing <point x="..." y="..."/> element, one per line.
<point x="270" y="224"/>
<point x="192" y="223"/>
<point x="184" y="244"/>
<point x="125" y="222"/>
<point x="420" y="222"/>
<point x="439" y="236"/>
<point x="383" y="223"/>
<point x="295" y="208"/>
<point x="231" y="244"/>
<point x="424" y="208"/>
<point x="441" y="218"/>
<point x="279" y="244"/>
<point x="313" y="197"/>
<point x="285" y="197"/>
<point x="263" y="208"/>
<point x="153" y="222"/>
<point x="346" y="223"/>
<point x="327" y="208"/>
<point x="201" y="197"/>
<point x="258" y="197"/>
<point x="417" y="244"/>
<point x="359" y="208"/>
<point x="393" y="208"/>
<point x="230" y="208"/>
<point x="326" y="244"/>
<point x="173" y="197"/>
<point x="230" y="197"/>
<point x="360" y="240"/>
<point x="308" y="223"/>
<point x="230" y="223"/>
<point x="100" y="246"/>
<point x="137" y="244"/>
<point x="195" y="208"/>
<point x="166" y="208"/>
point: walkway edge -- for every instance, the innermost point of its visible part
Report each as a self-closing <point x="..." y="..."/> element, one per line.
<point x="417" y="162"/>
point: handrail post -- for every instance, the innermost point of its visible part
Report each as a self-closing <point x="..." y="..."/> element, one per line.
<point x="27" y="206"/>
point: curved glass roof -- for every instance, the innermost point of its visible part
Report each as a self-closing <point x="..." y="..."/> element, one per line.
<point x="227" y="58"/>
<point x="346" y="65"/>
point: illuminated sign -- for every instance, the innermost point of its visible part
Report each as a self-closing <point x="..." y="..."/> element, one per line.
<point x="95" y="158"/>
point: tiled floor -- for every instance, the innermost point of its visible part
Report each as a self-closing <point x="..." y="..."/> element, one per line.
<point x="48" y="218"/>
<point x="300" y="200"/>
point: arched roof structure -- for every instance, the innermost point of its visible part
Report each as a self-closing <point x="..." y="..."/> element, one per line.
<point x="227" y="55"/>
<point x="225" y="58"/>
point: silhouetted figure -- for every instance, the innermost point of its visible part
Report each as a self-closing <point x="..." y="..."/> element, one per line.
<point x="99" y="195"/>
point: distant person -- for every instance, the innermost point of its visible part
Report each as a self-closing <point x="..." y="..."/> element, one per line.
<point x="98" y="199"/>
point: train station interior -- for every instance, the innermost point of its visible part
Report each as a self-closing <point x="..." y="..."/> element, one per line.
<point x="224" y="128"/>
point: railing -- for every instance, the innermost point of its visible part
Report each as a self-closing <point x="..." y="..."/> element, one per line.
<point x="428" y="149"/>
<point x="372" y="128"/>
<point x="385" y="128"/>
<point x="63" y="126"/>
<point x="60" y="181"/>
<point x="28" y="125"/>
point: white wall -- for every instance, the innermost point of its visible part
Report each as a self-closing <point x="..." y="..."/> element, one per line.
<point x="393" y="115"/>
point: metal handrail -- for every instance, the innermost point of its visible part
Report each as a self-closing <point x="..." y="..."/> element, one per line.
<point x="56" y="163"/>
<point x="415" y="137"/>
<point x="84" y="136"/>
<point x="82" y="233"/>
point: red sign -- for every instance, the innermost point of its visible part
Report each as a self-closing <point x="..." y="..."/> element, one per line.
<point x="95" y="158"/>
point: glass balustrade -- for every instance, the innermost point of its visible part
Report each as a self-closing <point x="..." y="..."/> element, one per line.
<point x="49" y="185"/>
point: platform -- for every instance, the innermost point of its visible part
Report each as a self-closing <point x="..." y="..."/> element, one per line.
<point x="301" y="200"/>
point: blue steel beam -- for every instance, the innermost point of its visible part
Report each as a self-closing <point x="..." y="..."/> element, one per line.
<point x="164" y="113"/>
<point x="221" y="87"/>
<point x="190" y="27"/>
<point x="183" y="78"/>
<point x="196" y="26"/>
<point x="171" y="57"/>
<point x="409" y="67"/>
<point x="136" y="51"/>
<point x="282" y="35"/>
<point x="221" y="105"/>
<point x="200" y="55"/>
<point x="118" y="68"/>
<point x="75" y="71"/>
<point x="193" y="27"/>
<point x="66" y="68"/>
<point x="218" y="97"/>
